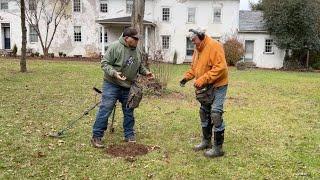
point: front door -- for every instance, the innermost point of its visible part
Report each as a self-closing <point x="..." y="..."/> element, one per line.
<point x="249" y="47"/>
<point x="7" y="44"/>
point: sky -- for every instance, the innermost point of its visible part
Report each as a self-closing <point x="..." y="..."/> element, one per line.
<point x="244" y="4"/>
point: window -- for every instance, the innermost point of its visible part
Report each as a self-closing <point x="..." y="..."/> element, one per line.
<point x="105" y="36"/>
<point x="77" y="33"/>
<point x="217" y="14"/>
<point x="32" y="5"/>
<point x="268" y="46"/>
<point x="33" y="34"/>
<point x="165" y="42"/>
<point x="76" y="5"/>
<point x="103" y="6"/>
<point x="166" y="14"/>
<point x="191" y="15"/>
<point x="4" y="4"/>
<point x="129" y="6"/>
<point x="190" y="47"/>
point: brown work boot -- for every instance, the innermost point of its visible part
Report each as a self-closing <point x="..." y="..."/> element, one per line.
<point x="96" y="142"/>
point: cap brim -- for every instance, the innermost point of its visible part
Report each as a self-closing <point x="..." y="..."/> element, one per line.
<point x="137" y="36"/>
<point x="191" y="36"/>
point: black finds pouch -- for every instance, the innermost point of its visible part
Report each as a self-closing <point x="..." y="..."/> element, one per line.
<point x="135" y="96"/>
<point x="205" y="95"/>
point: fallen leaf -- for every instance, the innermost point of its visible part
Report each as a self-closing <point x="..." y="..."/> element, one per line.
<point x="150" y="175"/>
<point x="40" y="154"/>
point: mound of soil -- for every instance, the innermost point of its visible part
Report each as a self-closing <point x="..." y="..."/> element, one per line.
<point x="127" y="150"/>
<point x="150" y="87"/>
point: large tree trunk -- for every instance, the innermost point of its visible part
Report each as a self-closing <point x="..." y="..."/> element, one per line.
<point x="138" y="16"/>
<point x="137" y="22"/>
<point x="23" y="62"/>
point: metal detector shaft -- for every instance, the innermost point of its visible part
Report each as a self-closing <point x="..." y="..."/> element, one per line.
<point x="71" y="123"/>
<point x="61" y="132"/>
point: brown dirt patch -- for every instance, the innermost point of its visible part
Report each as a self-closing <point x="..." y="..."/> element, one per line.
<point x="150" y="87"/>
<point x="237" y="101"/>
<point x="128" y="150"/>
<point x="175" y="95"/>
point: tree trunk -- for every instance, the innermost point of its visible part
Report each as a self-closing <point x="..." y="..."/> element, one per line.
<point x="46" y="52"/>
<point x="138" y="16"/>
<point x="137" y="22"/>
<point x="23" y="62"/>
<point x="286" y="59"/>
<point x="308" y="55"/>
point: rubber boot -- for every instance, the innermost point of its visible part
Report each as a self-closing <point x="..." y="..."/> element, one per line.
<point x="206" y="139"/>
<point x="216" y="150"/>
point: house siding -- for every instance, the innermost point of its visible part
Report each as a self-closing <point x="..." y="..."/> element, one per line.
<point x="260" y="58"/>
<point x="176" y="28"/>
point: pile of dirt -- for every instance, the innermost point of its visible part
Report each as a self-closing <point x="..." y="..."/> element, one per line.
<point x="150" y="87"/>
<point x="127" y="150"/>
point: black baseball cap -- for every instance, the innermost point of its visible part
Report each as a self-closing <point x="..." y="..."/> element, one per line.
<point x="131" y="32"/>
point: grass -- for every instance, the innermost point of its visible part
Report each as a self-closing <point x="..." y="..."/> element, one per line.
<point x="272" y="117"/>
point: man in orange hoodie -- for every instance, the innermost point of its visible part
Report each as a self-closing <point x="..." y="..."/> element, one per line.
<point x="209" y="68"/>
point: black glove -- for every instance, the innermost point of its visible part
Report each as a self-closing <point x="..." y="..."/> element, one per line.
<point x="183" y="82"/>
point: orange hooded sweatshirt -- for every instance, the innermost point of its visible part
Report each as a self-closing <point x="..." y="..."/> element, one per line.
<point x="209" y="64"/>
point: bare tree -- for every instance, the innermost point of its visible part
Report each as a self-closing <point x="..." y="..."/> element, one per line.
<point x="23" y="62"/>
<point x="45" y="16"/>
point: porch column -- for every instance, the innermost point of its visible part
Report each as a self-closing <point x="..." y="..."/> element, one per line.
<point x="146" y="39"/>
<point x="102" y="43"/>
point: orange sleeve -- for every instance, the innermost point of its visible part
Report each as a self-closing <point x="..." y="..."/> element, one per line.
<point x="219" y="65"/>
<point x="190" y="73"/>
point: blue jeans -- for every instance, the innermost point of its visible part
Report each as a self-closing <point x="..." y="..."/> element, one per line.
<point x="219" y="94"/>
<point x="110" y="94"/>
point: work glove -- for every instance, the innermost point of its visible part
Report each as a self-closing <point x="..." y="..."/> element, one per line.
<point x="183" y="82"/>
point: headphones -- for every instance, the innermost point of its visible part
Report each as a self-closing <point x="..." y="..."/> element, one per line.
<point x="201" y="35"/>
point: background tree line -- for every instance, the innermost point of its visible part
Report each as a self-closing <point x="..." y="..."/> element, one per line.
<point x="295" y="25"/>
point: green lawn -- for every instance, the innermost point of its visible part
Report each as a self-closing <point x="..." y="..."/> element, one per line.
<point x="272" y="117"/>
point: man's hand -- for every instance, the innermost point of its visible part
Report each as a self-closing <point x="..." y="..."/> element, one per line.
<point x="149" y="76"/>
<point x="198" y="84"/>
<point x="119" y="76"/>
<point x="183" y="82"/>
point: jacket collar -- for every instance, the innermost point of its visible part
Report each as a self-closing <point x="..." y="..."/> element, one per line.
<point x="202" y="44"/>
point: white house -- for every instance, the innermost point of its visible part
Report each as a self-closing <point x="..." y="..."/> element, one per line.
<point x="259" y="44"/>
<point x="96" y="23"/>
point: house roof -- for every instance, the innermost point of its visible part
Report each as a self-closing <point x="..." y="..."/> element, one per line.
<point x="121" y="20"/>
<point x="251" y="21"/>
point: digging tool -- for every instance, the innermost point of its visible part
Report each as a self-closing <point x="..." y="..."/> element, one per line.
<point x="113" y="112"/>
<point x="112" y="122"/>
